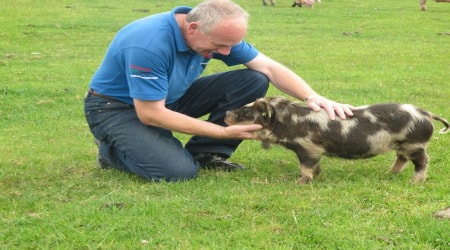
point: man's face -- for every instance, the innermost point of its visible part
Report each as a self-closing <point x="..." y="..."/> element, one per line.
<point x="221" y="38"/>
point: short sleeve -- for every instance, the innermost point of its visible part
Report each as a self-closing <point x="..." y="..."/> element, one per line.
<point x="241" y="53"/>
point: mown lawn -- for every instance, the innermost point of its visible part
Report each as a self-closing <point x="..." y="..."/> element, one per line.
<point x="53" y="196"/>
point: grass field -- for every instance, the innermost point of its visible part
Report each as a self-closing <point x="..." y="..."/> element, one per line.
<point x="53" y="196"/>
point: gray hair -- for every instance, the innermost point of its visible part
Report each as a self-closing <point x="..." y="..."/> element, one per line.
<point x="210" y="12"/>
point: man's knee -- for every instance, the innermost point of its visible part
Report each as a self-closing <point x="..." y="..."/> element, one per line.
<point x="258" y="82"/>
<point x="258" y="78"/>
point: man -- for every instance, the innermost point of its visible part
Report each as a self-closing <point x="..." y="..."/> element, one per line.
<point x="147" y="86"/>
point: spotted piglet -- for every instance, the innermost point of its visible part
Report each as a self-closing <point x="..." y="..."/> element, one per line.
<point x="372" y="130"/>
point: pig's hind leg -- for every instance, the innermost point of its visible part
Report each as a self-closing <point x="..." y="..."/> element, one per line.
<point x="420" y="160"/>
<point x="399" y="163"/>
<point x="418" y="157"/>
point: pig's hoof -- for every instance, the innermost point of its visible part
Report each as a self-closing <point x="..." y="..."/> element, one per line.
<point x="418" y="178"/>
<point x="304" y="180"/>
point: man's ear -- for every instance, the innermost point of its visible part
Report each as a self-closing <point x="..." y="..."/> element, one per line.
<point x="192" y="27"/>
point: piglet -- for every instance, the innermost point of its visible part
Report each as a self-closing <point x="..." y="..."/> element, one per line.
<point x="371" y="131"/>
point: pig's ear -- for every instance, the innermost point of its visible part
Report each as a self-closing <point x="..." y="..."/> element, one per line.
<point x="266" y="111"/>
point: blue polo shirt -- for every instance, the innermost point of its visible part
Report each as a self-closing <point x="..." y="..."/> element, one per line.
<point x="149" y="60"/>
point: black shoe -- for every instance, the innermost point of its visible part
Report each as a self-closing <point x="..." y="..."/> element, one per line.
<point x="102" y="163"/>
<point x="217" y="161"/>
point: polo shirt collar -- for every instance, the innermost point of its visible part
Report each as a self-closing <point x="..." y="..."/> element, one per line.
<point x="179" y="40"/>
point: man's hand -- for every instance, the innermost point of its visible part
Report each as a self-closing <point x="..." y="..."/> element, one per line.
<point x="241" y="131"/>
<point x="317" y="102"/>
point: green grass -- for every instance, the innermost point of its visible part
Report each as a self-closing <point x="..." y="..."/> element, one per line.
<point x="54" y="197"/>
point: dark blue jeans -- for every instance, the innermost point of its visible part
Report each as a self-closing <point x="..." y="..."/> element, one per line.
<point x="154" y="153"/>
